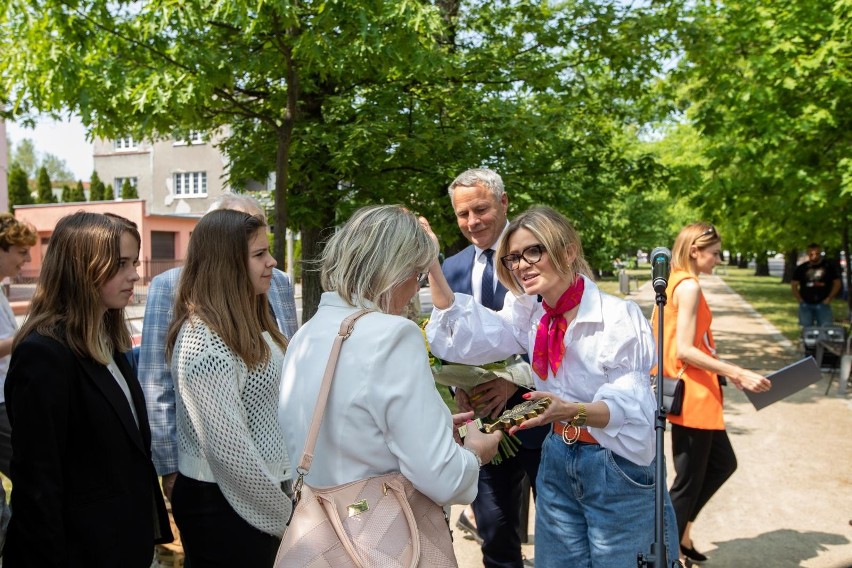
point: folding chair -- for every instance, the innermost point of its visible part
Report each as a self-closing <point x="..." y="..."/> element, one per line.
<point x="844" y="370"/>
<point x="825" y="344"/>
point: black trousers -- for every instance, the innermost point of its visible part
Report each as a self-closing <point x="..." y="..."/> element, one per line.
<point x="213" y="534"/>
<point x="703" y="461"/>
<point x="5" y="441"/>
<point x="498" y="507"/>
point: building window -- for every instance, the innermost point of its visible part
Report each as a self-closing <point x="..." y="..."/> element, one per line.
<point x="194" y="137"/>
<point x="125" y="143"/>
<point x="119" y="183"/>
<point x="191" y="184"/>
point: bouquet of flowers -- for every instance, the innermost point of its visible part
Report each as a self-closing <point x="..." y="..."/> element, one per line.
<point x="466" y="377"/>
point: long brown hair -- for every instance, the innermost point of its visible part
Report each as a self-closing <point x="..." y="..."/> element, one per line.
<point x="83" y="255"/>
<point x="215" y="287"/>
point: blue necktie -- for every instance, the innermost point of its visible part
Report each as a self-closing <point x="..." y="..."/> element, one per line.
<point x="487" y="296"/>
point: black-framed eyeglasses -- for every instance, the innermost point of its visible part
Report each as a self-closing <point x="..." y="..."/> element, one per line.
<point x="709" y="232"/>
<point x="531" y="254"/>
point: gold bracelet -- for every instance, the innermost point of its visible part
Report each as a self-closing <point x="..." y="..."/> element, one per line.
<point x="580" y="420"/>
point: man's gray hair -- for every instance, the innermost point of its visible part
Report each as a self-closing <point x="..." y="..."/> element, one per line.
<point x="238" y="202"/>
<point x="479" y="176"/>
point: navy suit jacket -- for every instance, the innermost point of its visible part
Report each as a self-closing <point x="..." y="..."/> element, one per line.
<point x="458" y="270"/>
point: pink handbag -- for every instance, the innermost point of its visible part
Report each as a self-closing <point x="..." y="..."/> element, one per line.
<point x="380" y="521"/>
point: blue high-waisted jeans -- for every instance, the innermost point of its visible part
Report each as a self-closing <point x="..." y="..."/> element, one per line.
<point x="815" y="314"/>
<point x="595" y="508"/>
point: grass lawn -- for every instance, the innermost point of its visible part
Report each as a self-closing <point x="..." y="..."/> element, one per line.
<point x="638" y="276"/>
<point x="773" y="299"/>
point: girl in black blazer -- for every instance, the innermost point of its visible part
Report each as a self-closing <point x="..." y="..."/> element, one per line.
<point x="85" y="492"/>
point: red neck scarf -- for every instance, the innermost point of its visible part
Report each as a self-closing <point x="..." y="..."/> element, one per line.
<point x="550" y="338"/>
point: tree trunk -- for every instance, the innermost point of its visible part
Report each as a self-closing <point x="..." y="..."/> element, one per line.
<point x="790" y="258"/>
<point x="761" y="264"/>
<point x="311" y="287"/>
<point x="848" y="274"/>
<point x="742" y="261"/>
<point x="282" y="162"/>
<point x="317" y="194"/>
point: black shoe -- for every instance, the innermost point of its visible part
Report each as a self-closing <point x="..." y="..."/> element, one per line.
<point x="464" y="525"/>
<point x="692" y="554"/>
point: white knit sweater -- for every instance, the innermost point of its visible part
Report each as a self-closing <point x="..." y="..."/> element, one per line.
<point x="227" y="425"/>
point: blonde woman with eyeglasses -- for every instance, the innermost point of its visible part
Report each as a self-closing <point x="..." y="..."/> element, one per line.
<point x="703" y="456"/>
<point x="591" y="353"/>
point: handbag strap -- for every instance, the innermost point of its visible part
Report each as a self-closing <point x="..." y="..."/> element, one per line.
<point x="682" y="369"/>
<point x="343" y="334"/>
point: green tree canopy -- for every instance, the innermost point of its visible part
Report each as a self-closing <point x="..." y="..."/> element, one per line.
<point x="349" y="103"/>
<point x="56" y="168"/>
<point x="128" y="191"/>
<point x="44" y="187"/>
<point x="769" y="88"/>
<point x="26" y="154"/>
<point x="97" y="189"/>
<point x="19" y="188"/>
<point x="76" y="194"/>
<point x="27" y="158"/>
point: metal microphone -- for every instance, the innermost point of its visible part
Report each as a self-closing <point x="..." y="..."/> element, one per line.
<point x="660" y="259"/>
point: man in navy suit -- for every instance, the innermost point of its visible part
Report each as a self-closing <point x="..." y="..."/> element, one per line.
<point x="480" y="204"/>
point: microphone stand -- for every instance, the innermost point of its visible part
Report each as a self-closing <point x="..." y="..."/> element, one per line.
<point x="657" y="556"/>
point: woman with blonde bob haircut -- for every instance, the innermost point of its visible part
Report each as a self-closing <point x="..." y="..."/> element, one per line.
<point x="374" y="254"/>
<point x="591" y="354"/>
<point x="383" y="392"/>
<point x="230" y="497"/>
<point x="703" y="456"/>
<point x="86" y="492"/>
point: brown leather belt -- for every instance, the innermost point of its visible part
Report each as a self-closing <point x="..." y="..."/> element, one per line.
<point x="560" y="430"/>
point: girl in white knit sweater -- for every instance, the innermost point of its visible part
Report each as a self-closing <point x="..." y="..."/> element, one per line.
<point x="229" y="499"/>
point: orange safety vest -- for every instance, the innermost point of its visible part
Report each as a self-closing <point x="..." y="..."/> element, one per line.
<point x="702" y="400"/>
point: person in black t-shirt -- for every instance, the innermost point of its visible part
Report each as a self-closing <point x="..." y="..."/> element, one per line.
<point x="815" y="283"/>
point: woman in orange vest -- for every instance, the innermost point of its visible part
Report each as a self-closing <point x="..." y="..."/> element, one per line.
<point x="703" y="456"/>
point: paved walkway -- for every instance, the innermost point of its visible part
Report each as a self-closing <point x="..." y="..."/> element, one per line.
<point x="790" y="502"/>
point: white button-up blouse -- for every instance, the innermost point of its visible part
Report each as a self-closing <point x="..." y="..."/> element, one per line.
<point x="383" y="412"/>
<point x="609" y="352"/>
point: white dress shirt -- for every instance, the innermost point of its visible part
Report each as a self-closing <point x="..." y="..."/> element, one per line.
<point x="478" y="268"/>
<point x="609" y="351"/>
<point x="383" y="412"/>
<point x="476" y="273"/>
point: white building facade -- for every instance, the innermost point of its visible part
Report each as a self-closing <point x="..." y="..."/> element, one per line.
<point x="177" y="177"/>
